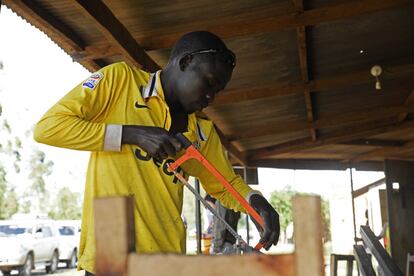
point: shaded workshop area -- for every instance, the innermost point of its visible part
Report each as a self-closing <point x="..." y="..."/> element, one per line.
<point x="319" y="85"/>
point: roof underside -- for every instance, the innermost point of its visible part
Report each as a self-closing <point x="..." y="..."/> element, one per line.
<point x="301" y="95"/>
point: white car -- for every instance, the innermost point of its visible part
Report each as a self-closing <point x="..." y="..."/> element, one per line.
<point x="26" y="243"/>
<point x="69" y="235"/>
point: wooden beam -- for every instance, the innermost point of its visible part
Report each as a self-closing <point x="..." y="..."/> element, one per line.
<point x="404" y="71"/>
<point x="303" y="64"/>
<point x="308" y="249"/>
<point x="56" y="30"/>
<point x="115" y="32"/>
<point x="115" y="234"/>
<point x="339" y="136"/>
<point x="375" y="143"/>
<point x="383" y="152"/>
<point x="333" y="121"/>
<point x="408" y="101"/>
<point x="365" y="189"/>
<point x="253" y="22"/>
<point x="235" y="153"/>
<point x="244" y="265"/>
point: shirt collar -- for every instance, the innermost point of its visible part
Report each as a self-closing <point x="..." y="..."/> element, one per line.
<point x="154" y="87"/>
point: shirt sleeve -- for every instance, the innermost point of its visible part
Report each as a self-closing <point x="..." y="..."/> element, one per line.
<point x="77" y="121"/>
<point x="213" y="151"/>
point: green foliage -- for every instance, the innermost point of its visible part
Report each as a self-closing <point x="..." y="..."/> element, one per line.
<point x="67" y="205"/>
<point x="8" y="197"/>
<point x="282" y="202"/>
<point x="39" y="168"/>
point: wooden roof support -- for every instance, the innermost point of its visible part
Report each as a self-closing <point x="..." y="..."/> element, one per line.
<point x="33" y="12"/>
<point x="383" y="152"/>
<point x="366" y="188"/>
<point x="342" y="119"/>
<point x="339" y="136"/>
<point x="303" y="60"/>
<point x="375" y="143"/>
<point x="408" y="101"/>
<point x="113" y="29"/>
<point x="322" y="85"/>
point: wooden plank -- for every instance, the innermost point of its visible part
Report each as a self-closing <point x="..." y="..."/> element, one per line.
<point x="339" y="136"/>
<point x="363" y="261"/>
<point x="322" y="85"/>
<point x="33" y="12"/>
<point x="366" y="188"/>
<point x="235" y="153"/>
<point x="115" y="32"/>
<point x="307" y="221"/>
<point x="342" y="119"/>
<point x="115" y="234"/>
<point x="301" y="38"/>
<point x="245" y="265"/>
<point x="303" y="64"/>
<point x="253" y="22"/>
<point x="384" y="260"/>
<point x="408" y="101"/>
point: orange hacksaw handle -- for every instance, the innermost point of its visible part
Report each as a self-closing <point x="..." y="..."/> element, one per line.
<point x="192" y="153"/>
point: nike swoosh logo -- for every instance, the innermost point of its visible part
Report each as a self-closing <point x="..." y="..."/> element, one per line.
<point x="137" y="105"/>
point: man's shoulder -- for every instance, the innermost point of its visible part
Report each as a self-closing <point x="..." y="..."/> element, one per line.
<point x="123" y="67"/>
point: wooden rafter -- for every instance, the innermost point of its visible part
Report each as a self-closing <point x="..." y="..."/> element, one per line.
<point x="32" y="12"/>
<point x="375" y="143"/>
<point x="335" y="137"/>
<point x="235" y="153"/>
<point x="404" y="71"/>
<point x="304" y="63"/>
<point x="384" y="152"/>
<point x="408" y="101"/>
<point x="230" y="27"/>
<point x="115" y="32"/>
<point x="342" y="119"/>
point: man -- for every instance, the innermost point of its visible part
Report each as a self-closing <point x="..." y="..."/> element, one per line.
<point x="128" y="118"/>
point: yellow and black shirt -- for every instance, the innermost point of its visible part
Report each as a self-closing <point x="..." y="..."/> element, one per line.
<point x="90" y="117"/>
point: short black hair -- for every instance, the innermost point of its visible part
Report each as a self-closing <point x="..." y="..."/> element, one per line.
<point x="195" y="41"/>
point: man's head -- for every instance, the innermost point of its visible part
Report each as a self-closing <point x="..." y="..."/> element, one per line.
<point x="202" y="66"/>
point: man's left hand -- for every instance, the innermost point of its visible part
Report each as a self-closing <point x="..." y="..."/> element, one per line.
<point x="270" y="233"/>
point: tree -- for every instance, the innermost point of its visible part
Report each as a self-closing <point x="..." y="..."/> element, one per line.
<point x="40" y="168"/>
<point x="8" y="197"/>
<point x="282" y="202"/>
<point x="67" y="205"/>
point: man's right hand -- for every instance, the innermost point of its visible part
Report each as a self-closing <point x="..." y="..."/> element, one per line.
<point x="156" y="141"/>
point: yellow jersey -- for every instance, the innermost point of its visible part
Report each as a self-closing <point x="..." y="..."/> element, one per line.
<point x="123" y="95"/>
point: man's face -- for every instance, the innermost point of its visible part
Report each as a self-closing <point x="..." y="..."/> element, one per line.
<point x="200" y="81"/>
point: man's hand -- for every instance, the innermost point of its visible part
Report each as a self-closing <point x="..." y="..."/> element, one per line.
<point x="156" y="141"/>
<point x="270" y="233"/>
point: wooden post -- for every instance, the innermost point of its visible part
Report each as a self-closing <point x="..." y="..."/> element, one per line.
<point x="115" y="234"/>
<point x="307" y="221"/>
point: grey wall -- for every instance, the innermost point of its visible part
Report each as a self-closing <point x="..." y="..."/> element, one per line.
<point x="400" y="209"/>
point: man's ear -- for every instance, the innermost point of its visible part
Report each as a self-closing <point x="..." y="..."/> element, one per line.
<point x="185" y="61"/>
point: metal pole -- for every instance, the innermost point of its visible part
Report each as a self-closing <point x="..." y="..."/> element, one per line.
<point x="198" y="217"/>
<point x="247" y="216"/>
<point x="247" y="230"/>
<point x="353" y="203"/>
